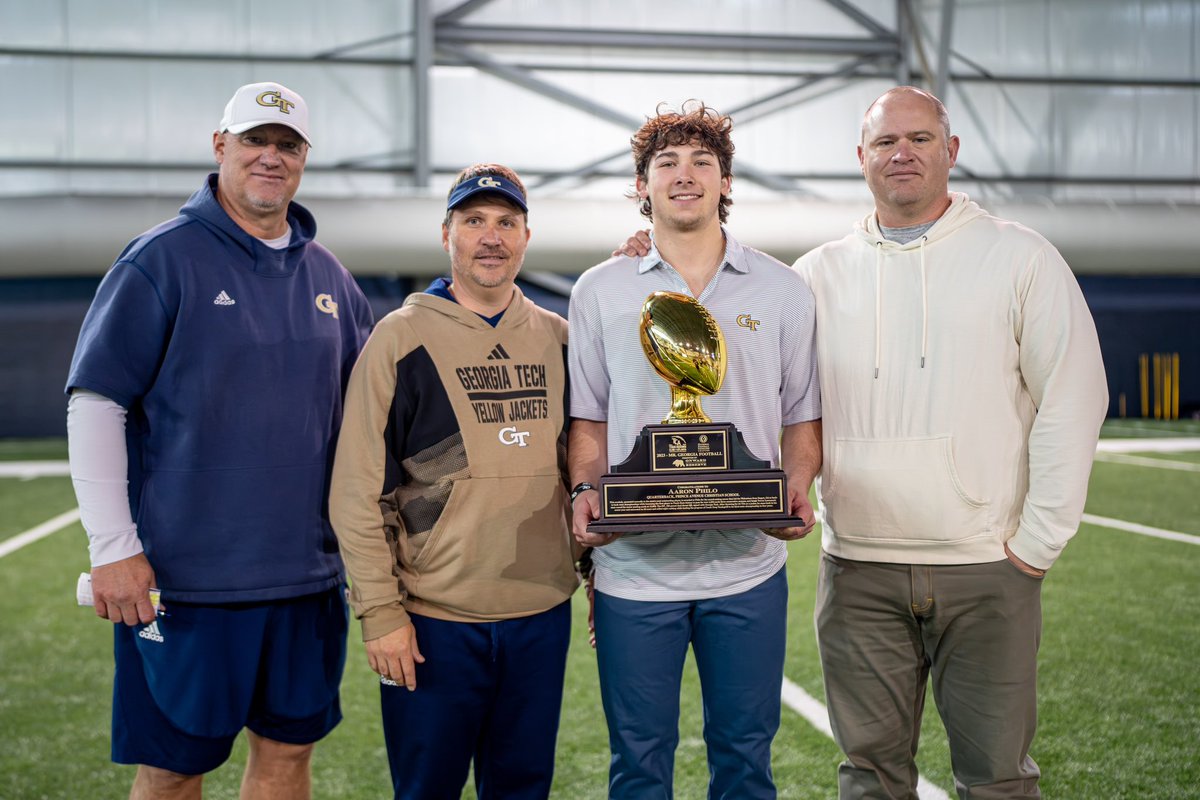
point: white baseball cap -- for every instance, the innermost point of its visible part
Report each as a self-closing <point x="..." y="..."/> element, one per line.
<point x="265" y="104"/>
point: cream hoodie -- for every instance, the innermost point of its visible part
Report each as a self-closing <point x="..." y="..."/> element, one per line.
<point x="962" y="392"/>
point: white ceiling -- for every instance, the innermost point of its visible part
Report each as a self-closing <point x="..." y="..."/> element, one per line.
<point x="1087" y="126"/>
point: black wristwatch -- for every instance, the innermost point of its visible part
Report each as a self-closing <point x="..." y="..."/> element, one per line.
<point x="579" y="489"/>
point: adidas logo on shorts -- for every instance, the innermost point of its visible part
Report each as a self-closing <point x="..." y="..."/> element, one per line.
<point x="151" y="632"/>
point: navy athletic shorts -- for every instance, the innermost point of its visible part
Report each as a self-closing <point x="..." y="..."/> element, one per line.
<point x="187" y="683"/>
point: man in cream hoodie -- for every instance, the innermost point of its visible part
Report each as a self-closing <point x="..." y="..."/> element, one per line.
<point x="963" y="392"/>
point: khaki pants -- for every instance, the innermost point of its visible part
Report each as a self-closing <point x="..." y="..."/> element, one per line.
<point x="883" y="629"/>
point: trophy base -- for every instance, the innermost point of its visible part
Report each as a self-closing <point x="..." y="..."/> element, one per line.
<point x="601" y="526"/>
<point x="706" y="500"/>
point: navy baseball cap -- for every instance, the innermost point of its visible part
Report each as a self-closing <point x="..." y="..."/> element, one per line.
<point x="498" y="184"/>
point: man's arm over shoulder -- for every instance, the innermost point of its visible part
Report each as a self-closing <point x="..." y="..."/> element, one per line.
<point x="1061" y="365"/>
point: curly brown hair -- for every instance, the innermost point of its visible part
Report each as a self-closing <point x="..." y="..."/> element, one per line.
<point x="694" y="122"/>
<point x="478" y="170"/>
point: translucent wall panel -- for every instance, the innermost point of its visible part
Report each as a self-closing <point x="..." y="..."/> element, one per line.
<point x="256" y="27"/>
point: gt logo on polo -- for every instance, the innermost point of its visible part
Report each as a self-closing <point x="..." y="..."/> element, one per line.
<point x="747" y="321"/>
<point x="326" y="305"/>
<point x="511" y="436"/>
<point x="272" y="99"/>
<point x="489" y="182"/>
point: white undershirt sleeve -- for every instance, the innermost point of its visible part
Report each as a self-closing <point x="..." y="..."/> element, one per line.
<point x="99" y="471"/>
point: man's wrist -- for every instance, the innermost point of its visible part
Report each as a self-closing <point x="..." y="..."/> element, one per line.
<point x="580" y="488"/>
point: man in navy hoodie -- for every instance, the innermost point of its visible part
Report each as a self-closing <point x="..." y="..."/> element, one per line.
<point x="205" y="397"/>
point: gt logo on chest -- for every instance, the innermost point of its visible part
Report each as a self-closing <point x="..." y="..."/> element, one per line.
<point x="511" y="436"/>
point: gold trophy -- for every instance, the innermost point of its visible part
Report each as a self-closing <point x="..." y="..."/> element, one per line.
<point x="685" y="346"/>
<point x="689" y="473"/>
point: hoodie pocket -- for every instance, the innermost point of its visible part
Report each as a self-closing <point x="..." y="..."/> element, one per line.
<point x="500" y="547"/>
<point x="901" y="490"/>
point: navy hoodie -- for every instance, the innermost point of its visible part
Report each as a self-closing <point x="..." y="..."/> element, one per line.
<point x="231" y="359"/>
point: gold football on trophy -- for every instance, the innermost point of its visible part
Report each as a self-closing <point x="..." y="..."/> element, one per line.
<point x="685" y="346"/>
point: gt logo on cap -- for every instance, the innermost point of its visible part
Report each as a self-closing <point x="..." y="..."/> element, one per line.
<point x="273" y="98"/>
<point x="489" y="182"/>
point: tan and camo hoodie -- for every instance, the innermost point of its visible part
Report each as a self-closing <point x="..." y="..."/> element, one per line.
<point x="449" y="497"/>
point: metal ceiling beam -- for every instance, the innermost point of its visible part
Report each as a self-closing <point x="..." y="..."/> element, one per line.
<point x="862" y="18"/>
<point x="662" y="40"/>
<point x="461" y="10"/>
<point x="526" y="80"/>
<point x="1079" y="80"/>
<point x="943" y="67"/>
<point x="904" y="36"/>
<point x="225" y="56"/>
<point x="756" y="108"/>
<point x="423" y="53"/>
<point x="336" y="52"/>
<point x="732" y="69"/>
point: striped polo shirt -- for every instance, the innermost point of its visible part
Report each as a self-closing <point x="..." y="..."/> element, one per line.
<point x="766" y="314"/>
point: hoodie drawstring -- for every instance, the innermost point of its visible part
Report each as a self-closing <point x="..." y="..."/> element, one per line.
<point x="879" y="305"/>
<point x="924" y="305"/>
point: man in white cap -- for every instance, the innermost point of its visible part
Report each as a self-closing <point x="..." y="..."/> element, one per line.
<point x="205" y="397"/>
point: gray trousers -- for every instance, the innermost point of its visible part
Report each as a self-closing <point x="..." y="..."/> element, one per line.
<point x="883" y="629"/>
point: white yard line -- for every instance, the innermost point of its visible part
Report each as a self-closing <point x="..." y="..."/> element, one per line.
<point x="1145" y="530"/>
<point x="806" y="706"/>
<point x="1143" y="461"/>
<point x="40" y="532"/>
<point x="1173" y="445"/>
<point x="812" y="710"/>
<point x="33" y="469"/>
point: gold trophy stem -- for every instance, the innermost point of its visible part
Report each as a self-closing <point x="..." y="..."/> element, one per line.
<point x="685" y="408"/>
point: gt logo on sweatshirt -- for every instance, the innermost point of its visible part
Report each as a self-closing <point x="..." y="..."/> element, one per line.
<point x="326" y="305"/>
<point x="511" y="436"/>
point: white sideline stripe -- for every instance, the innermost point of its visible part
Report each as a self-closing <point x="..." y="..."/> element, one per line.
<point x="806" y="706"/>
<point x="1143" y="461"/>
<point x="40" y="532"/>
<point x="1173" y="445"/>
<point x="1145" y="530"/>
<point x="812" y="710"/>
<point x="34" y="469"/>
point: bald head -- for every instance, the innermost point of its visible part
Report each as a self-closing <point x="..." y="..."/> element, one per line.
<point x="876" y="108"/>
